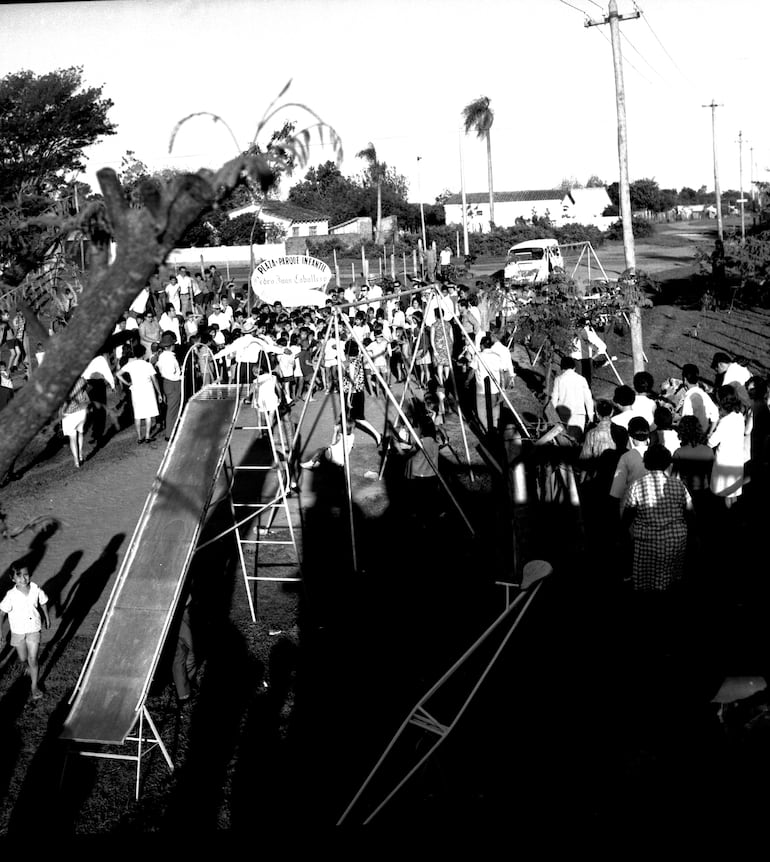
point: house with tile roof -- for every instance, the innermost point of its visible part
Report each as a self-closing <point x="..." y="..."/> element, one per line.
<point x="296" y="221"/>
<point x="583" y="206"/>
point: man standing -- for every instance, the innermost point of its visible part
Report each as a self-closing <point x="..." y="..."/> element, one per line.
<point x="730" y="373"/>
<point x="487" y="366"/>
<point x="571" y="398"/>
<point x="171" y="380"/>
<point x="697" y="402"/>
<point x="172" y="294"/>
<point x="445" y="261"/>
<point x="214" y="282"/>
<point x="185" y="290"/>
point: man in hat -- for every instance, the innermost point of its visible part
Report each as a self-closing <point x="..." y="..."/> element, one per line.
<point x="170" y="379"/>
<point x="218" y="318"/>
<point x="251" y="351"/>
<point x="730" y="373"/>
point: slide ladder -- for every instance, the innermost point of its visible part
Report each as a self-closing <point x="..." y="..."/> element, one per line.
<point x="263" y="512"/>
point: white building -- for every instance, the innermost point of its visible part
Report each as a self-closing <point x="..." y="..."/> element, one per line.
<point x="295" y="220"/>
<point x="579" y="206"/>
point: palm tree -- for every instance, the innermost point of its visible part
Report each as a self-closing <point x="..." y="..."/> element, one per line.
<point x="478" y="116"/>
<point x="376" y="172"/>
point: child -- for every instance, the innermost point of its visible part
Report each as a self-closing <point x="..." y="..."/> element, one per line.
<point x="6" y="385"/>
<point x="39" y="353"/>
<point x="25" y="605"/>
<point x="285" y="368"/>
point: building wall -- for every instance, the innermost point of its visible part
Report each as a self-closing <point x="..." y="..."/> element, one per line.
<point x="506" y="213"/>
<point x="362" y="227"/>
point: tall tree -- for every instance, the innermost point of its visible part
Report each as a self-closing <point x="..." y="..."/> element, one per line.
<point x="478" y="117"/>
<point x="376" y="171"/>
<point x="144" y="236"/>
<point x="46" y="122"/>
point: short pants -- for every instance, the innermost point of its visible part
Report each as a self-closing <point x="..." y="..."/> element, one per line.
<point x="28" y="637"/>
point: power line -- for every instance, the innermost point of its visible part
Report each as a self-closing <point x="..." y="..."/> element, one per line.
<point x="582" y="11"/>
<point x="625" y="59"/>
<point x="665" y="50"/>
<point x="631" y="44"/>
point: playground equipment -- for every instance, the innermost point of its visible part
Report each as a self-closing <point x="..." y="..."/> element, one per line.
<point x="109" y="699"/>
<point x="211" y="436"/>
<point x="458" y="684"/>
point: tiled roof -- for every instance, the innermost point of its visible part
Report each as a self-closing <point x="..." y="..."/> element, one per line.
<point x="509" y="197"/>
<point x="284" y="210"/>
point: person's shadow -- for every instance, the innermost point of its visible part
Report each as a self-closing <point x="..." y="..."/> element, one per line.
<point x="54" y="586"/>
<point x="82" y="596"/>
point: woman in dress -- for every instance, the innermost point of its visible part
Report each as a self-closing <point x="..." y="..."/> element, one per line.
<point x="73" y="419"/>
<point x="353" y="384"/>
<point x="731" y="447"/>
<point x="657" y="508"/>
<point x="149" y="331"/>
<point x="441" y="345"/>
<point x="694" y="458"/>
<point x="145" y="392"/>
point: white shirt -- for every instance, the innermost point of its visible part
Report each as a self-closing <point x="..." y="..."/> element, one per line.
<point x="222" y="320"/>
<point x="644" y="407"/>
<point x="139" y="305"/>
<point x="185" y="284"/>
<point x="172" y="294"/>
<point x="445" y="257"/>
<point x="23" y="613"/>
<point x="587" y="343"/>
<point x="505" y="356"/>
<point x="99" y="367"/>
<point x="736" y="374"/>
<point x="247" y="348"/>
<point x="131" y="323"/>
<point x="571" y="390"/>
<point x="168" y="366"/>
<point x="698" y="403"/>
<point x="493" y="370"/>
<point x="170" y="323"/>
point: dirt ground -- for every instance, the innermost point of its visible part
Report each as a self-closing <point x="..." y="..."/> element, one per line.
<point x="320" y="685"/>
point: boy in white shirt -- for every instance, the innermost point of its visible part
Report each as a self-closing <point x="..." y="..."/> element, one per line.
<point x="25" y="605"/>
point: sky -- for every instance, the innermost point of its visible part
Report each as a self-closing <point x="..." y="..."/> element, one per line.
<point x="398" y="73"/>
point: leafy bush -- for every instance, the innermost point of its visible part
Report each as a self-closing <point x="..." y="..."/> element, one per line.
<point x="642" y="228"/>
<point x="580" y="233"/>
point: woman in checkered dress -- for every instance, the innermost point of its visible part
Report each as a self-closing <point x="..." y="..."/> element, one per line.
<point x="657" y="507"/>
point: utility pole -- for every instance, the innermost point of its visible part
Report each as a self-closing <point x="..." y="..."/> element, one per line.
<point x="466" y="249"/>
<point x="422" y="209"/>
<point x="635" y="315"/>
<point x="742" y="200"/>
<point x="717" y="192"/>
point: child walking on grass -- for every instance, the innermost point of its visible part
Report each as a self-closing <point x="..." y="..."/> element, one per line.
<point x="26" y="607"/>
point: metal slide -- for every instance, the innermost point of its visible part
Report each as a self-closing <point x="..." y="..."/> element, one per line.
<point x="118" y="670"/>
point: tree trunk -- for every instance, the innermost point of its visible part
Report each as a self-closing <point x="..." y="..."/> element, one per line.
<point x="379" y="214"/>
<point x="489" y="180"/>
<point x="144" y="238"/>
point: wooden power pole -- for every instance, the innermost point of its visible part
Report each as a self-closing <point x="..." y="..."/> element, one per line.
<point x="717" y="192"/>
<point x="635" y="314"/>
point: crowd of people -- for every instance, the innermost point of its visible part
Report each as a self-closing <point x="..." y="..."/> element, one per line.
<point x="659" y="471"/>
<point x="193" y="331"/>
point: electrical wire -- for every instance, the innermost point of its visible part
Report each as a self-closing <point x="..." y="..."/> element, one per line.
<point x="582" y="11"/>
<point x="626" y="61"/>
<point x="631" y="44"/>
<point x="665" y="50"/>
